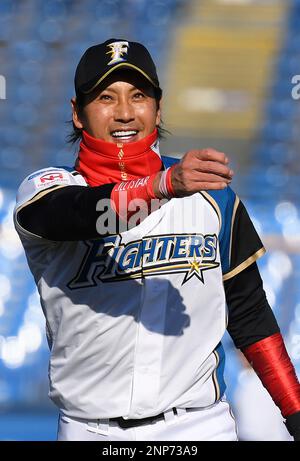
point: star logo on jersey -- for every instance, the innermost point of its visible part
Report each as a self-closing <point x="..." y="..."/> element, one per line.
<point x="196" y="269"/>
<point x="111" y="260"/>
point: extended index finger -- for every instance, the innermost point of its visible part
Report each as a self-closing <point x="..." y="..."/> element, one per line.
<point x="212" y="155"/>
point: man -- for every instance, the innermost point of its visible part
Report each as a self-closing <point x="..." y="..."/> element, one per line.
<point x="135" y="262"/>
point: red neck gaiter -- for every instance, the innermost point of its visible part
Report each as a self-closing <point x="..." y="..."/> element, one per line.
<point x="101" y="162"/>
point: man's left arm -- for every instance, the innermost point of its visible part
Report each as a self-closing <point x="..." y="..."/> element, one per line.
<point x="251" y="321"/>
<point x="254" y="329"/>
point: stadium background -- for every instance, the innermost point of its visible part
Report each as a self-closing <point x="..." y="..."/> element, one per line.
<point x="226" y="67"/>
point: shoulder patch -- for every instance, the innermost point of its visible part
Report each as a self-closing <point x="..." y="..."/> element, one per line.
<point x="45" y="170"/>
<point x="51" y="178"/>
<point x="46" y="178"/>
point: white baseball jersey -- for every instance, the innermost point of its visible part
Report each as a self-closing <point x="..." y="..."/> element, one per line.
<point x="135" y="320"/>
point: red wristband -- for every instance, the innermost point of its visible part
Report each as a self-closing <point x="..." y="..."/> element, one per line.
<point x="169" y="182"/>
<point x="273" y="366"/>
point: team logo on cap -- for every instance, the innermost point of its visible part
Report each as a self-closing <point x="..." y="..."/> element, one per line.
<point x="117" y="50"/>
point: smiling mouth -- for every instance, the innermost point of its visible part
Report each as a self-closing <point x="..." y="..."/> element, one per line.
<point x="124" y="135"/>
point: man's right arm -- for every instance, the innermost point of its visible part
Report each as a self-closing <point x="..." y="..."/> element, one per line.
<point x="71" y="213"/>
<point x="65" y="214"/>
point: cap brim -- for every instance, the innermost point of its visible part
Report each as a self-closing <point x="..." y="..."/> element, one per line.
<point x="117" y="66"/>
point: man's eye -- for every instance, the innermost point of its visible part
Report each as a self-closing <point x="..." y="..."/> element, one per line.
<point x="139" y="95"/>
<point x="104" y="97"/>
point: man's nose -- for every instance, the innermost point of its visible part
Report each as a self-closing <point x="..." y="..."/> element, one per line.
<point x="124" y="112"/>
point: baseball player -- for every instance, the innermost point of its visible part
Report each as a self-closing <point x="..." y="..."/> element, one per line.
<point x="141" y="263"/>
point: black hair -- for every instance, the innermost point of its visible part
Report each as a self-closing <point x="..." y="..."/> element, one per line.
<point x="76" y="134"/>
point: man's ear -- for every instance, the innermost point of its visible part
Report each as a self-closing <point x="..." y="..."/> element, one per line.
<point x="158" y="113"/>
<point x="76" y="120"/>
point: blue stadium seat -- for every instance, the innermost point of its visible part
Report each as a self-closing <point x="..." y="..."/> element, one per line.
<point x="7" y="8"/>
<point x="54" y="9"/>
<point x="32" y="93"/>
<point x="108" y="11"/>
<point x="51" y="31"/>
<point x="280" y="108"/>
<point x="31" y="49"/>
<point x="6" y="29"/>
<point x="31" y="72"/>
<point x="26" y="114"/>
<point x="100" y="32"/>
<point x="12" y="157"/>
<point x="277" y="130"/>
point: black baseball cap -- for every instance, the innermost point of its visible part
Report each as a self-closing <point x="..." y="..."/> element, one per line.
<point x="101" y="60"/>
